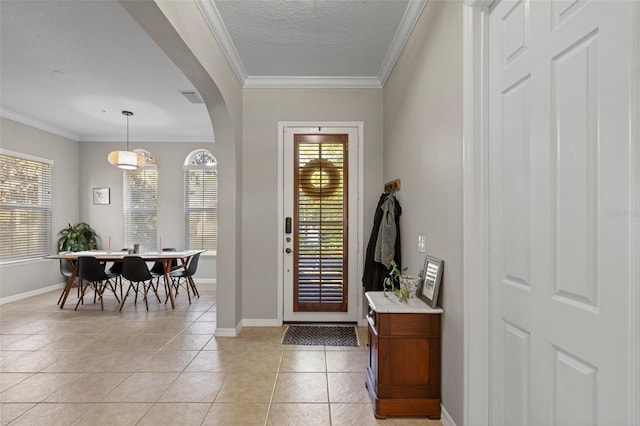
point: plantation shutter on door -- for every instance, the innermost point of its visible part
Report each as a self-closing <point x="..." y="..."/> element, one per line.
<point x="320" y="240"/>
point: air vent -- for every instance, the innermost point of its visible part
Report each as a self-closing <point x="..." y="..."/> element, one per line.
<point x="192" y="96"/>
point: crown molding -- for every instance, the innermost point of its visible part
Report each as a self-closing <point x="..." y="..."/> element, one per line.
<point x="292" y="82"/>
<point x="409" y="19"/>
<point x="36" y="124"/>
<point x="146" y="139"/>
<point x="219" y="31"/>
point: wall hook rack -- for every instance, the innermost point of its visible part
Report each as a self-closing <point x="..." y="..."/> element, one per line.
<point x="392" y="186"/>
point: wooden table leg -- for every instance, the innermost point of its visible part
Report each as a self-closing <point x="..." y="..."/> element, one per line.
<point x="74" y="273"/>
<point x="167" y="282"/>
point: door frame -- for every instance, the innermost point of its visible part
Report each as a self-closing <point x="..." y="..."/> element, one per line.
<point x="359" y="176"/>
<point x="476" y="285"/>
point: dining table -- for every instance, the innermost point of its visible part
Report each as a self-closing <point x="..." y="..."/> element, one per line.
<point x="164" y="257"/>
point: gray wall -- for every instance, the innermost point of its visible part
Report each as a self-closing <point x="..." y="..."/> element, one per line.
<point x="24" y="276"/>
<point x="95" y="172"/>
<point x="263" y="108"/>
<point x="423" y="147"/>
<point x="180" y="30"/>
<point x="77" y="169"/>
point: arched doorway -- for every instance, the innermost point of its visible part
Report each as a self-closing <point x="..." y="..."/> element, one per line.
<point x="179" y="30"/>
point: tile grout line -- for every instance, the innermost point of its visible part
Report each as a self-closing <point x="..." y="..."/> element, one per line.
<point x="326" y="372"/>
<point x="273" y="390"/>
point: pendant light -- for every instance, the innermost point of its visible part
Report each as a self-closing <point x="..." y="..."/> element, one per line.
<point x="127" y="160"/>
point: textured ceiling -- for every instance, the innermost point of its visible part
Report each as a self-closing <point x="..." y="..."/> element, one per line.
<point x="312" y="38"/>
<point x="71" y="67"/>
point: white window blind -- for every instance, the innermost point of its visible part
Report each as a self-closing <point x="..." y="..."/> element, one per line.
<point x="140" y="201"/>
<point x="25" y="206"/>
<point x="201" y="201"/>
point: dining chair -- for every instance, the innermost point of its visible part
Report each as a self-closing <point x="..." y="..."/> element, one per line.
<point x="157" y="271"/>
<point x="116" y="268"/>
<point x="66" y="272"/>
<point x="92" y="275"/>
<point x="186" y="275"/>
<point x="135" y="270"/>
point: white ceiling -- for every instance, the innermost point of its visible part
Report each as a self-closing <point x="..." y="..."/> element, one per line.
<point x="71" y="67"/>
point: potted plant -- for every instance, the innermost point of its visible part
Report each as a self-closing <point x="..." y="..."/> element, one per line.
<point x="78" y="237"/>
<point x="394" y="283"/>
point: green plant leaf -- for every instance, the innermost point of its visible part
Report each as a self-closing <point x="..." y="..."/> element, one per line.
<point x="78" y="238"/>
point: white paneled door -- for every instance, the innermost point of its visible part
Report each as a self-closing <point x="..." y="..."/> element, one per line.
<point x="559" y="156"/>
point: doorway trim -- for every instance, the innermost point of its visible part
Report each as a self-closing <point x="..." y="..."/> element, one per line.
<point x="476" y="284"/>
<point x="475" y="148"/>
<point x="359" y="174"/>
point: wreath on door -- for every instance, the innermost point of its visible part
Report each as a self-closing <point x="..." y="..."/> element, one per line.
<point x="316" y="188"/>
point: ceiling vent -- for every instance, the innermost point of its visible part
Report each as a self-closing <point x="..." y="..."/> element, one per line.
<point x="192" y="96"/>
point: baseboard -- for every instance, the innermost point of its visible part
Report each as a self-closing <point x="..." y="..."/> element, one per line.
<point x="31" y="293"/>
<point x="206" y="281"/>
<point x="229" y="332"/>
<point x="445" y="417"/>
<point x="261" y="323"/>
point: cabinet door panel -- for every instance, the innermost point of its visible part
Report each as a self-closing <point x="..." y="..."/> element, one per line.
<point x="409" y="362"/>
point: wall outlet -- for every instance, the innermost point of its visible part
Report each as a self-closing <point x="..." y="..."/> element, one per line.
<point x="421" y="243"/>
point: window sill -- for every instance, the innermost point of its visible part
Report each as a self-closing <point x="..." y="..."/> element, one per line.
<point x="21" y="261"/>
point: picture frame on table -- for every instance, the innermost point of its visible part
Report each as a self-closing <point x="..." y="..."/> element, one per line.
<point x="431" y="277"/>
<point x="101" y="196"/>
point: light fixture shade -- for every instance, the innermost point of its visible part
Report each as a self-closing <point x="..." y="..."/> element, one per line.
<point x="127" y="160"/>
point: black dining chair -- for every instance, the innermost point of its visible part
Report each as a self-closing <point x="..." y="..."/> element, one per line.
<point x="92" y="275"/>
<point x="157" y="270"/>
<point x="135" y="270"/>
<point x="186" y="274"/>
<point x="116" y="269"/>
<point x="66" y="272"/>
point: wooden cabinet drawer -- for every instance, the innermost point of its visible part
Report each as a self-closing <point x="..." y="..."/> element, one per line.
<point x="408" y="325"/>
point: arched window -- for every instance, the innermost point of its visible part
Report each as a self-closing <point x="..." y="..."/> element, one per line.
<point x="200" y="201"/>
<point x="140" y="204"/>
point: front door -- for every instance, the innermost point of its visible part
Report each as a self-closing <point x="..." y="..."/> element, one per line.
<point x="319" y="207"/>
<point x="559" y="205"/>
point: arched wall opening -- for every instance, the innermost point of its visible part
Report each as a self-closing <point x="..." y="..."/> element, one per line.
<point x="180" y="31"/>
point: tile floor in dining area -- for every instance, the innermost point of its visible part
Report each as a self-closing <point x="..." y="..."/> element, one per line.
<point x="92" y="367"/>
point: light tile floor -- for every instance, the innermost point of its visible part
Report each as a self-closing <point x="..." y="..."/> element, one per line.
<point x="88" y="367"/>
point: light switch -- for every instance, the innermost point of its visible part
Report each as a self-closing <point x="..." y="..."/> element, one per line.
<point x="421" y="243"/>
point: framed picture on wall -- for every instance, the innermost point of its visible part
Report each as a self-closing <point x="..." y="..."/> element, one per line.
<point x="431" y="278"/>
<point x="101" y="196"/>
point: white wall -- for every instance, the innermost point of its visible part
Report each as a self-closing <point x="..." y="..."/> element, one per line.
<point x="423" y="147"/>
<point x="263" y="108"/>
<point x="24" y="276"/>
<point x="107" y="220"/>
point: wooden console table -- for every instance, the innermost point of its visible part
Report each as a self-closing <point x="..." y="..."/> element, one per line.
<point x="403" y="371"/>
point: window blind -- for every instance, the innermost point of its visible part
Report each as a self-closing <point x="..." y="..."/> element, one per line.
<point x="140" y="201"/>
<point x="200" y="207"/>
<point x="25" y="207"/>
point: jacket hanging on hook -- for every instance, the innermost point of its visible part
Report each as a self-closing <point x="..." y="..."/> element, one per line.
<point x="374" y="271"/>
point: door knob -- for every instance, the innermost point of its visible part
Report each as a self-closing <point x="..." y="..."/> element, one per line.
<point x="288" y="250"/>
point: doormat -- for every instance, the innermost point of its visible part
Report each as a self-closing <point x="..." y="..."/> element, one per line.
<point x="318" y="335"/>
